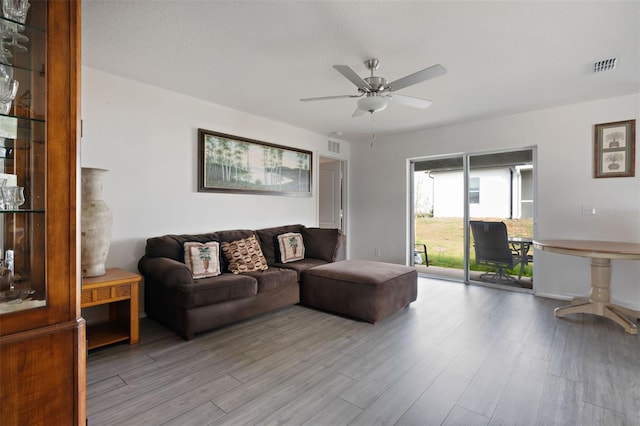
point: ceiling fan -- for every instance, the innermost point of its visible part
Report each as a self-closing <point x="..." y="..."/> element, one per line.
<point x="377" y="91"/>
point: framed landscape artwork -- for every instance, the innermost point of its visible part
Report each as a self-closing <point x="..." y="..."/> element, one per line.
<point x="614" y="149"/>
<point x="234" y="164"/>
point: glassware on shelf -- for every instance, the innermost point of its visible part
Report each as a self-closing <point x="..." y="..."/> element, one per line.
<point x="12" y="197"/>
<point x="6" y="278"/>
<point x="8" y="92"/>
<point x="5" y="54"/>
<point x="3" y="183"/>
<point x="6" y="71"/>
<point x="11" y="290"/>
<point x="15" y="38"/>
<point x="16" y="10"/>
<point x="10" y="36"/>
<point x="9" y="260"/>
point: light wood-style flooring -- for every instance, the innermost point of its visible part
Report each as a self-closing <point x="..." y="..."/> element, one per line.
<point x="459" y="355"/>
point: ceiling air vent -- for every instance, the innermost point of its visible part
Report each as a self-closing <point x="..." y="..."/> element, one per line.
<point x="334" y="146"/>
<point x="605" y="65"/>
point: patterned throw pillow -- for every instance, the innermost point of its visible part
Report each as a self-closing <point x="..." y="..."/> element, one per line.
<point x="291" y="247"/>
<point x="202" y="259"/>
<point x="244" y="255"/>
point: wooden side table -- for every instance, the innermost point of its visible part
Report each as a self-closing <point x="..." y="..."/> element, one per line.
<point x="118" y="289"/>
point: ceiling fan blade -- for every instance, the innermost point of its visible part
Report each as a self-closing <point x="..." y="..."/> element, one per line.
<point x="417" y="77"/>
<point x="323" y="98"/>
<point x="358" y="112"/>
<point x="409" y="101"/>
<point x="351" y="75"/>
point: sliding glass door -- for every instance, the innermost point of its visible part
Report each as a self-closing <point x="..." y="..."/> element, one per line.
<point x="500" y="203"/>
<point x="451" y="191"/>
<point x="438" y="216"/>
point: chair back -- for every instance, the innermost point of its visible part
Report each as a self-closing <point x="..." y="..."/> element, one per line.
<point x="491" y="243"/>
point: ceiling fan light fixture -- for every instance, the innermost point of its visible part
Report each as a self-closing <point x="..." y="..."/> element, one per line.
<point x="372" y="103"/>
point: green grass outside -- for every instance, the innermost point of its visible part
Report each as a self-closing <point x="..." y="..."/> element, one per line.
<point x="444" y="240"/>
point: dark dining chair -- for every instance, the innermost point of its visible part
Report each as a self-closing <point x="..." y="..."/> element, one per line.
<point x="491" y="245"/>
<point x="419" y="249"/>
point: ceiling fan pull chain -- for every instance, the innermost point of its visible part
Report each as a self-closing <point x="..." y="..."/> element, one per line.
<point x="373" y="130"/>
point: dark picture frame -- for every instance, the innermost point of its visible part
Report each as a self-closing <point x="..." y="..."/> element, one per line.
<point x="614" y="149"/>
<point x="234" y="164"/>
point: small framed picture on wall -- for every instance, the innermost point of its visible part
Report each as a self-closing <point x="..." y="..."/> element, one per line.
<point x="614" y="149"/>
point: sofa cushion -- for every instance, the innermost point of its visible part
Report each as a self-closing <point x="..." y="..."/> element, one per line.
<point x="320" y="243"/>
<point x="228" y="236"/>
<point x="172" y="246"/>
<point x="203" y="259"/>
<point x="269" y="241"/>
<point x="300" y="265"/>
<point x="234" y="234"/>
<point x="208" y="291"/>
<point x="244" y="255"/>
<point x="291" y="247"/>
<point x="274" y="279"/>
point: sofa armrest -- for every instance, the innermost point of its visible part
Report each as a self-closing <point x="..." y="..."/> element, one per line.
<point x="340" y="251"/>
<point x="164" y="271"/>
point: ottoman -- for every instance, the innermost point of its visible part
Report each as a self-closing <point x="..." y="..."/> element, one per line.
<point x="362" y="289"/>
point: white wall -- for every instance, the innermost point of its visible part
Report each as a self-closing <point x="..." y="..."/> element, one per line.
<point x="147" y="138"/>
<point x="564" y="137"/>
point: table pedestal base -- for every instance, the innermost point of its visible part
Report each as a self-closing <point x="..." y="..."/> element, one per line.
<point x="598" y="302"/>
<point x="609" y="310"/>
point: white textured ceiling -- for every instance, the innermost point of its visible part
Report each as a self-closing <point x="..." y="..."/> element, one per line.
<point x="261" y="57"/>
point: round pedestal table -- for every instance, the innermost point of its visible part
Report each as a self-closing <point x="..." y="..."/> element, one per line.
<point x="599" y="300"/>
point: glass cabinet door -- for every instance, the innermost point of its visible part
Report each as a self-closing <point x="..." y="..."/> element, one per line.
<point x="23" y="155"/>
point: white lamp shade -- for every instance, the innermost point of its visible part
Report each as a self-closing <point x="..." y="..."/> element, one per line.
<point x="372" y="103"/>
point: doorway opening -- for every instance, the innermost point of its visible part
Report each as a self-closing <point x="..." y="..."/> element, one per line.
<point x="331" y="194"/>
<point x="451" y="191"/>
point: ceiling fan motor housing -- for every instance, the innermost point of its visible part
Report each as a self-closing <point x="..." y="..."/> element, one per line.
<point x="377" y="83"/>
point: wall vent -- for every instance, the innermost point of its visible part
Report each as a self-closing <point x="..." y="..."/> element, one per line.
<point x="334" y="146"/>
<point x="605" y="65"/>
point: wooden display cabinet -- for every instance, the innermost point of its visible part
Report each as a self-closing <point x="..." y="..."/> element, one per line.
<point x="42" y="333"/>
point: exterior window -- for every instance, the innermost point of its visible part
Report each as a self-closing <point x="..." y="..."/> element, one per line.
<point x="474" y="190"/>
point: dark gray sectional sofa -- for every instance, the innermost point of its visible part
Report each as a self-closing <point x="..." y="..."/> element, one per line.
<point x="187" y="306"/>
